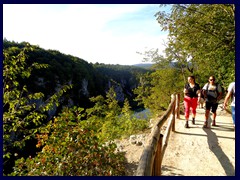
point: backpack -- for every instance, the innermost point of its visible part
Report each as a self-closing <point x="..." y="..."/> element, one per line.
<point x="212" y="99"/>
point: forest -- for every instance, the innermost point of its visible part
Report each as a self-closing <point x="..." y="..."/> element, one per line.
<point x="61" y="113"/>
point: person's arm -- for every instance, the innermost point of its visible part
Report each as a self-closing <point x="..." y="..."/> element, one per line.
<point x="205" y="90"/>
<point x="198" y="92"/>
<point x="199" y="95"/>
<point x="227" y="99"/>
<point x="185" y="89"/>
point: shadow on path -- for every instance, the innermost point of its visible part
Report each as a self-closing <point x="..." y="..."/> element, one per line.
<point x="170" y="170"/>
<point x="195" y="134"/>
<point x="217" y="150"/>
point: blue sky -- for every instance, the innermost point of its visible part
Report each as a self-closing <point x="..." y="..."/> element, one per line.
<point x="104" y="33"/>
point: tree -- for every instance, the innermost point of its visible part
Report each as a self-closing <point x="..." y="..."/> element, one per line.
<point x="126" y="110"/>
<point x="156" y="89"/>
<point x="113" y="109"/>
<point x="203" y="36"/>
<point x="23" y="115"/>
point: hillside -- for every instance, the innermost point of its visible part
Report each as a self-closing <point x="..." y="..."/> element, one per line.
<point x="47" y="91"/>
<point x="88" y="79"/>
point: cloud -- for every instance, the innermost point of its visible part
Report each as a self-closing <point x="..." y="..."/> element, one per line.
<point x="105" y="33"/>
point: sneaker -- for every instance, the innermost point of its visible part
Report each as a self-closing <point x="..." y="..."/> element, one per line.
<point x="205" y="124"/>
<point x="193" y="121"/>
<point x="213" y="123"/>
<point x="186" y="125"/>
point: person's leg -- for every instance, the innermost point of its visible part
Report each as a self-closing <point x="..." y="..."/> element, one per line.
<point x="208" y="106"/>
<point x="187" y="105"/>
<point x="194" y="107"/>
<point x="214" y="111"/>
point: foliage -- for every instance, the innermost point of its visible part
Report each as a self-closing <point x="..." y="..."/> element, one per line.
<point x="125" y="77"/>
<point x="28" y="129"/>
<point x="109" y="121"/>
<point x="201" y="42"/>
<point x="73" y="146"/>
<point x="23" y="114"/>
<point x="71" y="150"/>
<point x="156" y="89"/>
<point x="88" y="79"/>
<point x="202" y="39"/>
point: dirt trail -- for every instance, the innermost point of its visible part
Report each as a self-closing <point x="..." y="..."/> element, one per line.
<point x="195" y="151"/>
<point x="199" y="151"/>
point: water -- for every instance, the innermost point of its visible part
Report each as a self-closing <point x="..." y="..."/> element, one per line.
<point x="144" y="114"/>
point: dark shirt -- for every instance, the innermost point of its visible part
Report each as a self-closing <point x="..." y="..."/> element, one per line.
<point x="192" y="92"/>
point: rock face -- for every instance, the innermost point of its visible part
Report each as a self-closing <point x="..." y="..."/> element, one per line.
<point x="85" y="87"/>
<point x="118" y="88"/>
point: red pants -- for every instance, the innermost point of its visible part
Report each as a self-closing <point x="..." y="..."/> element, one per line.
<point x="190" y="103"/>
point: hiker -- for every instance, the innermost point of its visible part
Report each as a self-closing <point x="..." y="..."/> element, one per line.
<point x="191" y="99"/>
<point x="212" y="93"/>
<point x="231" y="93"/>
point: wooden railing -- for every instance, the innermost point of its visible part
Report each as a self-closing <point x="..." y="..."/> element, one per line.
<point x="151" y="160"/>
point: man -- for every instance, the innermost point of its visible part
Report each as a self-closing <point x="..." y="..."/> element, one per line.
<point x="213" y="93"/>
<point x="231" y="93"/>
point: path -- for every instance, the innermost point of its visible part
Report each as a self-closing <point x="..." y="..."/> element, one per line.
<point x="198" y="151"/>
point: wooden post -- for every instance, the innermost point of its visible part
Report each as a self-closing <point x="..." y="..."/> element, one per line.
<point x="151" y="160"/>
<point x="173" y="118"/>
<point x="158" y="158"/>
<point x="146" y="162"/>
<point x="178" y="105"/>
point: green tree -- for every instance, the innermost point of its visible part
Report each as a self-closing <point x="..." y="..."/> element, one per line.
<point x="109" y="121"/>
<point x="23" y="117"/>
<point x="113" y="109"/>
<point x="202" y="38"/>
<point x="126" y="110"/>
<point x="157" y="87"/>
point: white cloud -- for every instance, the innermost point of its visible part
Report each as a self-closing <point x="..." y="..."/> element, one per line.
<point x="83" y="30"/>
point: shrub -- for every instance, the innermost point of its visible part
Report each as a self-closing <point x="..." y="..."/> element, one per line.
<point x="70" y="150"/>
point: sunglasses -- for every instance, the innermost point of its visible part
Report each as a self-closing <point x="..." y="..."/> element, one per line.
<point x="211" y="79"/>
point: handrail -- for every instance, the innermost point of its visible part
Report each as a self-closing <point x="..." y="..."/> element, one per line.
<point x="151" y="158"/>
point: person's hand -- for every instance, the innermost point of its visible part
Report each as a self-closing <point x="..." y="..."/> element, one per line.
<point x="198" y="101"/>
<point x="225" y="105"/>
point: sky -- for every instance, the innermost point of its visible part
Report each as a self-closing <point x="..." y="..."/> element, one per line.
<point x="103" y="33"/>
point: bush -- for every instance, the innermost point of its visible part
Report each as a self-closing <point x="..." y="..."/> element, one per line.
<point x="70" y="150"/>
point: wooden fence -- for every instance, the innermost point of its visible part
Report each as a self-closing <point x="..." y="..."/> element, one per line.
<point x="151" y="160"/>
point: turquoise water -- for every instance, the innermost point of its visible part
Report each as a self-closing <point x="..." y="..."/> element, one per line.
<point x="144" y="114"/>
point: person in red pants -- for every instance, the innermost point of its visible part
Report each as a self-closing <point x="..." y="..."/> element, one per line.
<point x="191" y="99"/>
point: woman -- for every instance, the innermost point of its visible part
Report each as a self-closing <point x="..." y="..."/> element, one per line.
<point x="191" y="99"/>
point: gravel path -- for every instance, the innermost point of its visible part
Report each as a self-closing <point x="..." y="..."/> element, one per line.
<point x="196" y="151"/>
